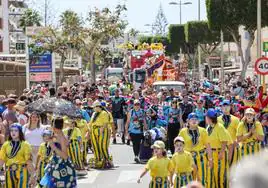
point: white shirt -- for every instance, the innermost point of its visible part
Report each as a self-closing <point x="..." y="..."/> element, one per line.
<point x="34" y="137"/>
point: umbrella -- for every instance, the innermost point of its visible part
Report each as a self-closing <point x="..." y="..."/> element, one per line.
<point x="55" y="106"/>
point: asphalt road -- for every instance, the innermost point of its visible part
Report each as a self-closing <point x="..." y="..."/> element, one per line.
<point x="124" y="175"/>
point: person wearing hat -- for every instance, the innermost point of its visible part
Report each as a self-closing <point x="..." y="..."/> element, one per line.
<point x="218" y="140"/>
<point x="230" y="122"/>
<point x="20" y="108"/>
<point x="160" y="167"/>
<point x="75" y="149"/>
<point x="195" y="142"/>
<point x="249" y="134"/>
<point x="184" y="166"/>
<point x="16" y="155"/>
<point x="135" y="125"/>
<point x="99" y="134"/>
<point x="44" y="154"/>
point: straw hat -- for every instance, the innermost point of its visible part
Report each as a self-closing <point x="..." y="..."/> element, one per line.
<point x="21" y="105"/>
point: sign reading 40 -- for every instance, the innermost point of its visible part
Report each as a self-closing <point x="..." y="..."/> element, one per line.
<point x="261" y="66"/>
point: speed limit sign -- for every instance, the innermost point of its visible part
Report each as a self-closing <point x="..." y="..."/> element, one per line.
<point x="261" y="66"/>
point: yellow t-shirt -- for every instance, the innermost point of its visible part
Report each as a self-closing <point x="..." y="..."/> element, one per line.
<point x="101" y="120"/>
<point x="111" y="120"/>
<point x="23" y="155"/>
<point x="232" y="128"/>
<point x="83" y="126"/>
<point x="76" y="134"/>
<point x="42" y="152"/>
<point x="242" y="130"/>
<point x="218" y="135"/>
<point x="159" y="167"/>
<point x="183" y="162"/>
<point x="201" y="139"/>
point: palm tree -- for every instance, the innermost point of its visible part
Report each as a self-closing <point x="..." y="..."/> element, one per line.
<point x="30" y="18"/>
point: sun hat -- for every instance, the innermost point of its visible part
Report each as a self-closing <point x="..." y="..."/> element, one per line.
<point x="21" y="105"/>
<point x="158" y="144"/>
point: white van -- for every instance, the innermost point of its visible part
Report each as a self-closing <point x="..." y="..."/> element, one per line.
<point x="178" y="86"/>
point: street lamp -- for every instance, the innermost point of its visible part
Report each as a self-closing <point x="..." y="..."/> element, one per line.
<point x="180" y="4"/>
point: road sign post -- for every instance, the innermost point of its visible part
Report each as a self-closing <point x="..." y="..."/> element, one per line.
<point x="261" y="67"/>
<point x="265" y="47"/>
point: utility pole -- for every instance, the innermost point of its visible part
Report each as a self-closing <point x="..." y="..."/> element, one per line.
<point x="222" y="64"/>
<point x="46" y="7"/>
<point x="259" y="50"/>
<point x="199" y="48"/>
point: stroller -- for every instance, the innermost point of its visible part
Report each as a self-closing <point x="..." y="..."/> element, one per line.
<point x="150" y="136"/>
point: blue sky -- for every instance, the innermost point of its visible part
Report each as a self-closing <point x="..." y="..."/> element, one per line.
<point x="140" y="12"/>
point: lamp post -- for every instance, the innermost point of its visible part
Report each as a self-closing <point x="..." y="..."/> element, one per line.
<point x="259" y="52"/>
<point x="180" y="4"/>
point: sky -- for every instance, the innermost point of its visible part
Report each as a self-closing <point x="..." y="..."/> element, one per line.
<point x="140" y="12"/>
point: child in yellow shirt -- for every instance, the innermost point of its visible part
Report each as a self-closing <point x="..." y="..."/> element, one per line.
<point x="184" y="166"/>
<point x="160" y="167"/>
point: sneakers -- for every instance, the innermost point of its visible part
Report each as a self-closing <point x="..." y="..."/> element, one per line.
<point x="128" y="142"/>
<point x="169" y="154"/>
<point x="123" y="139"/>
<point x="137" y="160"/>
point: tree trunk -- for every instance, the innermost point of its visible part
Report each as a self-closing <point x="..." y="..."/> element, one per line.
<point x="92" y="68"/>
<point x="61" y="78"/>
<point x="209" y="69"/>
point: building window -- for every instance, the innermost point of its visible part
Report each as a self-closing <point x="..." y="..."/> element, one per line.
<point x="1" y="45"/>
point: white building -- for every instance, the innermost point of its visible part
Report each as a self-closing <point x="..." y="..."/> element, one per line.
<point x="4" y="33"/>
<point x="16" y="34"/>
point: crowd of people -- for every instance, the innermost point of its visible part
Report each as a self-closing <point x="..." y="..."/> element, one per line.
<point x="191" y="135"/>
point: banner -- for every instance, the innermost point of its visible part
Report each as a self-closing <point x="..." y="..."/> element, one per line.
<point x="157" y="65"/>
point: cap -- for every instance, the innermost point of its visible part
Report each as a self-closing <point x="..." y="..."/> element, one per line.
<point x="225" y="102"/>
<point x="158" y="144"/>
<point x="192" y="116"/>
<point x="103" y="104"/>
<point x="211" y="113"/>
<point x="38" y="85"/>
<point x="21" y="105"/>
<point x="136" y="101"/>
<point x="96" y="104"/>
<point x="178" y="139"/>
<point x="250" y="111"/>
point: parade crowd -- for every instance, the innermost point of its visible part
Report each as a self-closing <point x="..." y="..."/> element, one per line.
<point x="182" y="136"/>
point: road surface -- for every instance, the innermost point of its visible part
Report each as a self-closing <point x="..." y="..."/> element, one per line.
<point x="125" y="174"/>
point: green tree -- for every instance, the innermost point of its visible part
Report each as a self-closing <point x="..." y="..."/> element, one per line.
<point x="199" y="33"/>
<point x="145" y="39"/>
<point x="30" y="18"/>
<point x="160" y="25"/>
<point x="230" y="15"/>
<point x="60" y="40"/>
<point x="102" y="24"/>
<point x="176" y="38"/>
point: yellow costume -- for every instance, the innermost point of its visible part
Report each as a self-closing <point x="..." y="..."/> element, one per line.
<point x="195" y="143"/>
<point x="183" y="165"/>
<point x="100" y="131"/>
<point x="250" y="145"/>
<point x="44" y="153"/>
<point x="83" y="126"/>
<point x="74" y="149"/>
<point x="15" y="156"/>
<point x="159" y="170"/>
<point x="231" y="127"/>
<point x="218" y="178"/>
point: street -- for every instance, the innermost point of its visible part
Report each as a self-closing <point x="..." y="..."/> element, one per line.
<point x="125" y="174"/>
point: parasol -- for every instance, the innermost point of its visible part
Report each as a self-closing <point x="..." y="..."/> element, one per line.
<point x="55" y="106"/>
